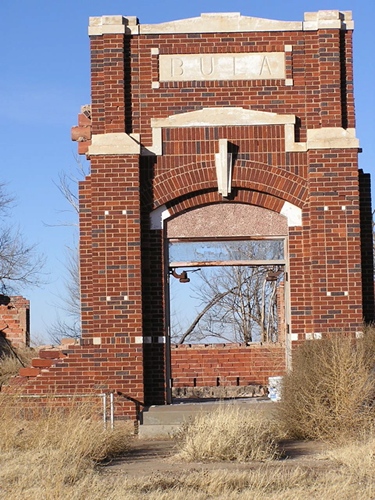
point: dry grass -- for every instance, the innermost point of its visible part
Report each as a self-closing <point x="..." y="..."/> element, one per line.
<point x="228" y="434"/>
<point x="329" y="393"/>
<point x="341" y="474"/>
<point x="264" y="483"/>
<point x="55" y="451"/>
<point x="59" y="455"/>
<point x="12" y="362"/>
<point x="356" y="459"/>
<point x="56" y="455"/>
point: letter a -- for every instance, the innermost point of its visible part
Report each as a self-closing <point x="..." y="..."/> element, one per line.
<point x="265" y="66"/>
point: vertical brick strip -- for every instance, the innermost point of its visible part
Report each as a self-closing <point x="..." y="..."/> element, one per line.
<point x="367" y="247"/>
<point x="97" y="84"/>
<point x="330" y="78"/>
<point x="113" y="81"/>
<point x="85" y="254"/>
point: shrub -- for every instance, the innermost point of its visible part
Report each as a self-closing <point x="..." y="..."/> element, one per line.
<point x="228" y="434"/>
<point x="330" y="391"/>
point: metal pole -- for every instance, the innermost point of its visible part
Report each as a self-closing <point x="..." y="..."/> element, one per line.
<point x="104" y="396"/>
<point x="112" y="406"/>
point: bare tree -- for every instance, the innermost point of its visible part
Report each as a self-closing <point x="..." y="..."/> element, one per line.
<point x="70" y="301"/>
<point x="237" y="303"/>
<point x="20" y="263"/>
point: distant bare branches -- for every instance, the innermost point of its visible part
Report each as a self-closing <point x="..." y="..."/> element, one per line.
<point x="20" y="263"/>
<point x="237" y="303"/>
<point x="70" y="300"/>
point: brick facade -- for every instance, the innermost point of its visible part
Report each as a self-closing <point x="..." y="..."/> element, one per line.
<point x="152" y="143"/>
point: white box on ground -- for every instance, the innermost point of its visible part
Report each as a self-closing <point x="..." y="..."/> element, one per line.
<point x="274" y="388"/>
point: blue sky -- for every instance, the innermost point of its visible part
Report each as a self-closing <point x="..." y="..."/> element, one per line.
<point x="44" y="79"/>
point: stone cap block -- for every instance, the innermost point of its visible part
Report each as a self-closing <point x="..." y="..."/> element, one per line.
<point x="328" y="19"/>
<point x="221" y="22"/>
<point x="112" y="25"/>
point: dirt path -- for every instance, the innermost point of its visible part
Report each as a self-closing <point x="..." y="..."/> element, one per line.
<point x="148" y="457"/>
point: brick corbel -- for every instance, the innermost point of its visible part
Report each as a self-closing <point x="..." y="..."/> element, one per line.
<point x="82" y="133"/>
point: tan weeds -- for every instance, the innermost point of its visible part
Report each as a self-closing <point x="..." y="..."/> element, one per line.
<point x="329" y="394"/>
<point x="55" y="456"/>
<point x="52" y="448"/>
<point x="11" y="363"/>
<point x="228" y="434"/>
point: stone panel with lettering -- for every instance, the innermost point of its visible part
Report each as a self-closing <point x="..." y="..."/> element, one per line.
<point x="193" y="67"/>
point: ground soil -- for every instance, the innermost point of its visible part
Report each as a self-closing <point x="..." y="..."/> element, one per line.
<point x="148" y="457"/>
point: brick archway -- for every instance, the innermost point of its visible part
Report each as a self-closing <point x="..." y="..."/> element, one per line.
<point x="273" y="121"/>
<point x="193" y="180"/>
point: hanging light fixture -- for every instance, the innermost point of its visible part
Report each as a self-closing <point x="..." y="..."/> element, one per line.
<point x="182" y="277"/>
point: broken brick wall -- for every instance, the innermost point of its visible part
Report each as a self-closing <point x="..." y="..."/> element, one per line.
<point x="214" y="365"/>
<point x="15" y="320"/>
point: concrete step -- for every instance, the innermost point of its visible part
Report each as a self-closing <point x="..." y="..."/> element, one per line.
<point x="158" y="421"/>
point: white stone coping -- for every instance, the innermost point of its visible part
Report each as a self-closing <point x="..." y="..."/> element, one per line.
<point x="328" y="19"/>
<point x="323" y="138"/>
<point x="114" y="144"/>
<point x="217" y="22"/>
<point x="332" y="138"/>
<point x="208" y="117"/>
<point x="113" y="25"/>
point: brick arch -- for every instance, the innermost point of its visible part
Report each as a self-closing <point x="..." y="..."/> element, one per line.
<point x="252" y="182"/>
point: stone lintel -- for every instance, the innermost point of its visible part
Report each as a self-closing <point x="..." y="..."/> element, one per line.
<point x="332" y="138"/>
<point x="114" y="144"/>
<point x="208" y="117"/>
<point x="221" y="22"/>
<point x="323" y="138"/>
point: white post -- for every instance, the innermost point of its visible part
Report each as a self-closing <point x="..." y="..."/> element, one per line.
<point x="112" y="406"/>
<point x="104" y="396"/>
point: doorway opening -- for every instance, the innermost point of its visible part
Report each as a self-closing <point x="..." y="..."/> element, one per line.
<point x="228" y="294"/>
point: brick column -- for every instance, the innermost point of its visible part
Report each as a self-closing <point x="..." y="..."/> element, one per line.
<point x="116" y="311"/>
<point x="330" y="78"/>
<point x="335" y="241"/>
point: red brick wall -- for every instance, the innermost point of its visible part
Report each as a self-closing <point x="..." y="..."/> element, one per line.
<point x="122" y="260"/>
<point x="226" y="364"/>
<point x="15" y="320"/>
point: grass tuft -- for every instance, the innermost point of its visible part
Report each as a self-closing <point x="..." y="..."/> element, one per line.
<point x="228" y="434"/>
